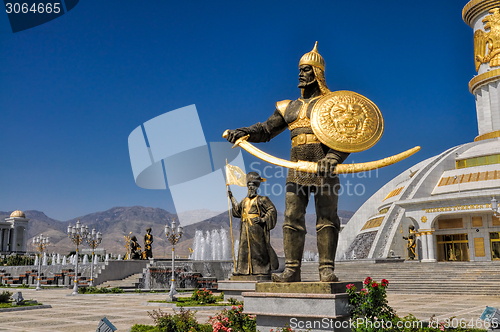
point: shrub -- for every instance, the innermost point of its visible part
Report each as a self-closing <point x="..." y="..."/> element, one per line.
<point x="204" y="296"/>
<point x="370" y="303"/>
<point x="233" y="320"/>
<point x="95" y="290"/>
<point x="17" y="260"/>
<point x="184" y="321"/>
<point x="235" y="302"/>
<point x="371" y="307"/>
<point x="5" y="297"/>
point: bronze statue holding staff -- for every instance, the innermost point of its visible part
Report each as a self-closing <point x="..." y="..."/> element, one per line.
<point x="325" y="127"/>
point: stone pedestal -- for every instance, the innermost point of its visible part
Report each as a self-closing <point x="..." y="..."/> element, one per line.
<point x="239" y="284"/>
<point x="235" y="288"/>
<point x="313" y="306"/>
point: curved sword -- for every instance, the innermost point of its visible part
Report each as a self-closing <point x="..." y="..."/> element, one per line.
<point x="312" y="167"/>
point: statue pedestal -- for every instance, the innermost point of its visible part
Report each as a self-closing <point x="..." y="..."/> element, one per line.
<point x="314" y="306"/>
<point x="239" y="284"/>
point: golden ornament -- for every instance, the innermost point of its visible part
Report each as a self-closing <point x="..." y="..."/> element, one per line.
<point x="347" y="121"/>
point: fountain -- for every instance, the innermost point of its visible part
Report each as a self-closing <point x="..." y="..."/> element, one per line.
<point x="85" y="259"/>
<point x="58" y="260"/>
<point x="44" y="261"/>
<point x="310" y="256"/>
<point x="36" y="261"/>
<point x="213" y="245"/>
<point x="64" y="260"/>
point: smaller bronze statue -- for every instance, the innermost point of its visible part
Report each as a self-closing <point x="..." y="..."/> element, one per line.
<point x="148" y="241"/>
<point x="411" y="245"/>
<point x="135" y="249"/>
<point x="258" y="216"/>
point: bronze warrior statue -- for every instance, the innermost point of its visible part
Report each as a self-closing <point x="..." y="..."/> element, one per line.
<point x="411" y="245"/>
<point x="295" y="115"/>
<point x="148" y="241"/>
<point x="135" y="249"/>
<point x="258" y="216"/>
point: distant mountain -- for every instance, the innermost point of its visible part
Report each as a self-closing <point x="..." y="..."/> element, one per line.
<point x="118" y="222"/>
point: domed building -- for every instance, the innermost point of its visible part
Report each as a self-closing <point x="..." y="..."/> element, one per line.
<point x="447" y="198"/>
<point x="14" y="233"/>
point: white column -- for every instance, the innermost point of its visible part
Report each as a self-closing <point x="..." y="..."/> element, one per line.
<point x="9" y="248"/>
<point x="431" y="244"/>
<point x="425" y="254"/>
<point x="14" y="239"/>
<point x="1" y="239"/>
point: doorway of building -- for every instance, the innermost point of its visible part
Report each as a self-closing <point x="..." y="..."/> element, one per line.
<point x="495" y="246"/>
<point x="453" y="248"/>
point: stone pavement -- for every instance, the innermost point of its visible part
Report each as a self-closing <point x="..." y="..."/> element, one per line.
<point x="82" y="313"/>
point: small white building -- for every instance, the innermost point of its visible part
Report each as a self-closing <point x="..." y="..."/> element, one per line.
<point x="14" y="233"/>
<point x="447" y="198"/>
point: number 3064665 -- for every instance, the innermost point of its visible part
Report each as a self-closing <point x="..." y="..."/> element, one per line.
<point x="34" y="8"/>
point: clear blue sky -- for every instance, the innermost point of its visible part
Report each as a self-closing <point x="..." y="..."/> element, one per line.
<point x="73" y="89"/>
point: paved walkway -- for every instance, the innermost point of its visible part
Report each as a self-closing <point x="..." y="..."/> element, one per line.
<point x="83" y="312"/>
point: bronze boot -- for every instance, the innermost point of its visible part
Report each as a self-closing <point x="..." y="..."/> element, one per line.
<point x="327" y="247"/>
<point x="293" y="242"/>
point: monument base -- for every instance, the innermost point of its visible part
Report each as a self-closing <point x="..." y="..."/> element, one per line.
<point x="251" y="277"/>
<point x="239" y="284"/>
<point x="234" y="288"/>
<point x="313" y="306"/>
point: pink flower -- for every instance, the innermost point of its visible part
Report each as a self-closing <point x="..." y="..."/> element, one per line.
<point x="364" y="291"/>
<point x="349" y="286"/>
<point x="367" y="280"/>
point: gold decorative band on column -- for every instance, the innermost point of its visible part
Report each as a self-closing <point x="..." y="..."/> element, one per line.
<point x="483" y="79"/>
<point x="492" y="134"/>
<point x="475" y="7"/>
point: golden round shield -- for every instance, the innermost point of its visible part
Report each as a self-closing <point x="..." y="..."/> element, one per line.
<point x="347" y="121"/>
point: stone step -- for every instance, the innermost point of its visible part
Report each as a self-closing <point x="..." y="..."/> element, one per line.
<point x="478" y="278"/>
<point x="128" y="282"/>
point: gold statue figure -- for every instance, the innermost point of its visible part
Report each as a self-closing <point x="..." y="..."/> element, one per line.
<point x="490" y="40"/>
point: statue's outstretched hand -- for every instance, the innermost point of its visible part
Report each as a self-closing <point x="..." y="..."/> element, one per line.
<point x="326" y="166"/>
<point x="230" y="194"/>
<point x="233" y="135"/>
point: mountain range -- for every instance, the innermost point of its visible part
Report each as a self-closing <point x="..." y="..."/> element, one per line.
<point x="118" y="222"/>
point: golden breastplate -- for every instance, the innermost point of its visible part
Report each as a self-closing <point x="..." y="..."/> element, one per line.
<point x="302" y="120"/>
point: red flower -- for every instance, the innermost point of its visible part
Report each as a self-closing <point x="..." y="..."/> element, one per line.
<point x="367" y="280"/>
<point x="349" y="286"/>
<point x="374" y="285"/>
<point x="384" y="282"/>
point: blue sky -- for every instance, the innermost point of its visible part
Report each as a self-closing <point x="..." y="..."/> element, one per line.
<point x="73" y="89"/>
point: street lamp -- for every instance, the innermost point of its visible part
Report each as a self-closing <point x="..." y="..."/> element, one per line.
<point x="77" y="233"/>
<point x="93" y="240"/>
<point x="173" y="236"/>
<point x="40" y="243"/>
<point x="494" y="206"/>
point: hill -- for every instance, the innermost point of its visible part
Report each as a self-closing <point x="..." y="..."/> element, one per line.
<point x="117" y="222"/>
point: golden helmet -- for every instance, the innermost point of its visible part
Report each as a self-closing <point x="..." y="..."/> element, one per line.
<point x="313" y="58"/>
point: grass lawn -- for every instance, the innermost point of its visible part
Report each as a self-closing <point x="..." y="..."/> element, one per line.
<point x="187" y="302"/>
<point x="9" y="305"/>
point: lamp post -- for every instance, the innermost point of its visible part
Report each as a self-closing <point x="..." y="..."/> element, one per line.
<point x="173" y="236"/>
<point x="93" y="240"/>
<point x="40" y="243"/>
<point x="494" y="206"/>
<point x="77" y="233"/>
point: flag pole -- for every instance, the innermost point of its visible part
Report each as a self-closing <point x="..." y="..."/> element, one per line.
<point x="230" y="220"/>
